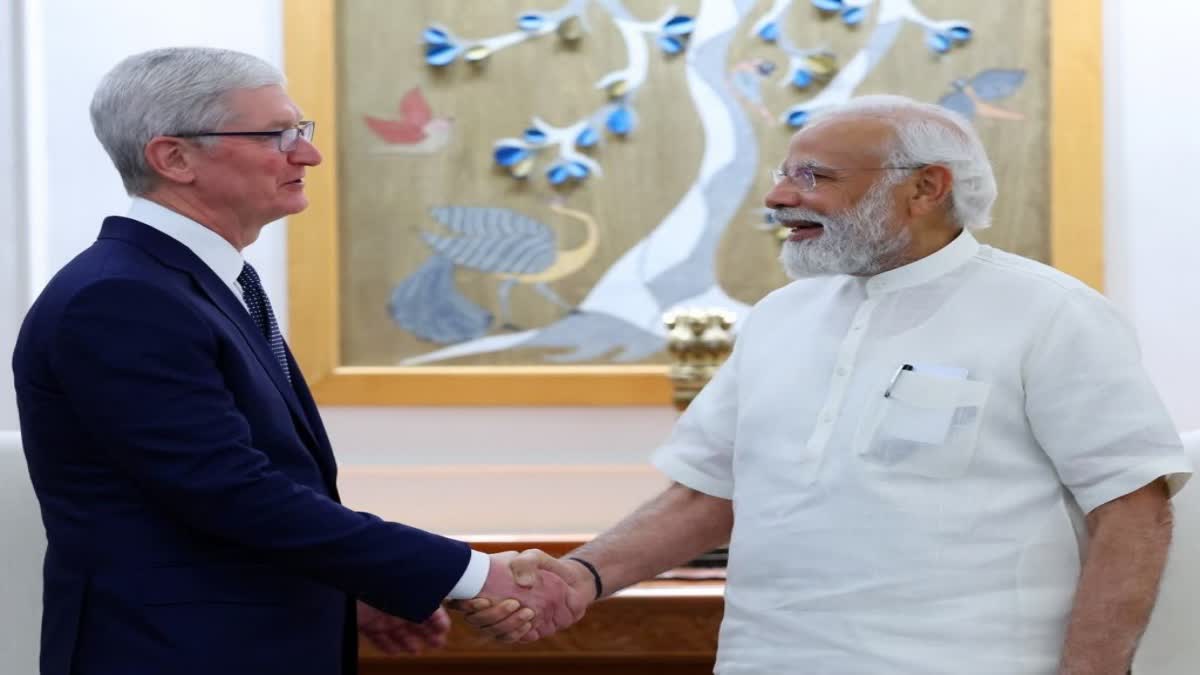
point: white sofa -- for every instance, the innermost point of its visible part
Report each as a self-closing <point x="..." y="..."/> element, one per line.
<point x="23" y="545"/>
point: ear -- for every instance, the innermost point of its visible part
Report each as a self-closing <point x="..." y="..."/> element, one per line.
<point x="931" y="192"/>
<point x="172" y="159"/>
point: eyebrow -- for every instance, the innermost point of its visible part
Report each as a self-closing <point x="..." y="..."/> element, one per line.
<point x="808" y="164"/>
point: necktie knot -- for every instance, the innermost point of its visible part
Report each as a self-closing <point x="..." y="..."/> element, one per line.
<point x="260" y="311"/>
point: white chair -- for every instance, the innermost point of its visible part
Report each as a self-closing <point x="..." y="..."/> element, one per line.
<point x="23" y="541"/>
<point x="1171" y="645"/>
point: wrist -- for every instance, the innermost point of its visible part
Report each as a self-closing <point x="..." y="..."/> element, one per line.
<point x="588" y="579"/>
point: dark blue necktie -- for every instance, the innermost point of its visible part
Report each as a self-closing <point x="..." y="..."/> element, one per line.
<point x="264" y="318"/>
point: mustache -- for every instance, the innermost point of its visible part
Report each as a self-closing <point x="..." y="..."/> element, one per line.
<point x="794" y="213"/>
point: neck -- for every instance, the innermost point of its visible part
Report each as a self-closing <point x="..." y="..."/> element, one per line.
<point x="930" y="239"/>
<point x="222" y="220"/>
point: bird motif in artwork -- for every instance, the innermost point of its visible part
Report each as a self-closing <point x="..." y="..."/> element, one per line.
<point x="747" y="77"/>
<point x="974" y="96"/>
<point x="415" y="130"/>
<point x="510" y="246"/>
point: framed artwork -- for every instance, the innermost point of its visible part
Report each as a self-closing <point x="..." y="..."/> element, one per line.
<point x="512" y="196"/>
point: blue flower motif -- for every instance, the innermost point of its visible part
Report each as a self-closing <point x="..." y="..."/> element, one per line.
<point x="587" y="138"/>
<point x="938" y="42"/>
<point x="852" y="16"/>
<point x="679" y="25"/>
<point x="620" y="121"/>
<point x="797" y="118"/>
<point x="769" y="32"/>
<point x="441" y="54"/>
<point x="535" y="136"/>
<point x="801" y="79"/>
<point x="828" y="5"/>
<point x="508" y="155"/>
<point x="531" y="22"/>
<point x="670" y="45"/>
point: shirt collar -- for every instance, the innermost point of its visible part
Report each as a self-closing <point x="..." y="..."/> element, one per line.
<point x="211" y="248"/>
<point x="940" y="262"/>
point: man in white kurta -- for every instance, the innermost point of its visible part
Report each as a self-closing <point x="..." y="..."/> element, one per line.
<point x="927" y="455"/>
<point x="879" y="534"/>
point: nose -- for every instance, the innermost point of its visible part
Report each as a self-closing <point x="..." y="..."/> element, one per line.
<point x="782" y="195"/>
<point x="305" y="153"/>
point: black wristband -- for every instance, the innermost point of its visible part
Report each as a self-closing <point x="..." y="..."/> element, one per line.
<point x="595" y="575"/>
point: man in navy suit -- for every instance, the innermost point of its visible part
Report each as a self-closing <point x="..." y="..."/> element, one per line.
<point x="186" y="482"/>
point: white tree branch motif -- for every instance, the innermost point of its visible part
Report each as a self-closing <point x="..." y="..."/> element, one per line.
<point x="673" y="266"/>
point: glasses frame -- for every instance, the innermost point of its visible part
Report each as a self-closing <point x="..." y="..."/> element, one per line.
<point x="287" y="138"/>
<point x="805" y="177"/>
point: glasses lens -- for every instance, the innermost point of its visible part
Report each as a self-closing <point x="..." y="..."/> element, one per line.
<point x="287" y="139"/>
<point x="307" y="129"/>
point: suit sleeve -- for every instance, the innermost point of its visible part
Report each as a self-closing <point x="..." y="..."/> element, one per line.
<point x="140" y="369"/>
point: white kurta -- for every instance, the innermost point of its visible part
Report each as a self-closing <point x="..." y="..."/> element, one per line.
<point x="936" y="529"/>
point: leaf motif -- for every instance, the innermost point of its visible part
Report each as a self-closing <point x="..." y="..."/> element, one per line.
<point x="821" y="65"/>
<point x="937" y="42"/>
<point x="522" y="169"/>
<point x="852" y="16"/>
<point x="535" y="135"/>
<point x="670" y="45"/>
<point x="531" y="22"/>
<point x="801" y="79"/>
<point x="508" y="155"/>
<point x="960" y="32"/>
<point x="587" y="138"/>
<point x="577" y="170"/>
<point x="959" y="103"/>
<point x="570" y="29"/>
<point x="997" y="83"/>
<point x="617" y="88"/>
<point x="828" y="5"/>
<point x="769" y="32"/>
<point x="476" y="54"/>
<point x="557" y="174"/>
<point x="797" y="118"/>
<point x="493" y="239"/>
<point x="437" y="36"/>
<point x="441" y="54"/>
<point x="679" y="25"/>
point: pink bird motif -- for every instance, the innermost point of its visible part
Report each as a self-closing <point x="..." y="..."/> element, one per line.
<point x="416" y="130"/>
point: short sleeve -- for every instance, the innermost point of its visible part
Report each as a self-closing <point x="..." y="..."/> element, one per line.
<point x="699" y="452"/>
<point x="1093" y="409"/>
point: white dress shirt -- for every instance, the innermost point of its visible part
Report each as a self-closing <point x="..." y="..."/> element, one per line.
<point x="226" y="262"/>
<point x="936" y="529"/>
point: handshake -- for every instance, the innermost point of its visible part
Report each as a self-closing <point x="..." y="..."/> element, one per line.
<point x="526" y="596"/>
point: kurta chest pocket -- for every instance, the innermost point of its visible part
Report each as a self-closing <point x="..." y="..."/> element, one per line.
<point x="928" y="425"/>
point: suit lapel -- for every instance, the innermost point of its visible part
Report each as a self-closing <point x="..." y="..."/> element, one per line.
<point x="175" y="254"/>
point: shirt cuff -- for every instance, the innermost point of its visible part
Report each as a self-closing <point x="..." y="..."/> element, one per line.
<point x="471" y="582"/>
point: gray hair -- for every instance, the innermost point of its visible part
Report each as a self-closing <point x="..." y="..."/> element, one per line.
<point x="168" y="91"/>
<point x="930" y="134"/>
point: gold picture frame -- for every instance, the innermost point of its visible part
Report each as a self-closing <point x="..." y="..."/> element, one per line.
<point x="310" y="28"/>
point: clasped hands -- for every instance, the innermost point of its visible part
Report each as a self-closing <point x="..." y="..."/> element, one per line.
<point x="527" y="596"/>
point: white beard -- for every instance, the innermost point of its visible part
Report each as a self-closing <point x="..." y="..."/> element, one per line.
<point x="857" y="241"/>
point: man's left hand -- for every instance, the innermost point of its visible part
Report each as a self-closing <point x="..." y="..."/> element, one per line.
<point x="393" y="635"/>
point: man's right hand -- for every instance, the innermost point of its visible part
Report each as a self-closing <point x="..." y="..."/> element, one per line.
<point x="529" y="596"/>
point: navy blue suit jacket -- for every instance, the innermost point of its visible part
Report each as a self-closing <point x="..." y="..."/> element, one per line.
<point x="187" y="488"/>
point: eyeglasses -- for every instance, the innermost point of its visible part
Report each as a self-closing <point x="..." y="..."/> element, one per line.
<point x="805" y="177"/>
<point x="288" y="138"/>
